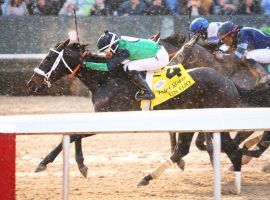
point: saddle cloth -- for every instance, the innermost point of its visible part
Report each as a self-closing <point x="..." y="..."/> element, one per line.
<point x="168" y="83"/>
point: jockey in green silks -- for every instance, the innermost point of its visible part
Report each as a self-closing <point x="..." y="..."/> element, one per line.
<point x="135" y="55"/>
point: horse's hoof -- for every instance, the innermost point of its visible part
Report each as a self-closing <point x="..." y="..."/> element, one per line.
<point x="84" y="171"/>
<point x="181" y="164"/>
<point x="40" y="168"/>
<point x="143" y="182"/>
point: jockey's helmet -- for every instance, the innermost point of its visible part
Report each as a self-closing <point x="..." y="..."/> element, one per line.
<point x="199" y="25"/>
<point x="226" y="29"/>
<point x="108" y="41"/>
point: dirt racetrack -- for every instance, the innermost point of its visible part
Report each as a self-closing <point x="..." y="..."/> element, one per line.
<point x="118" y="162"/>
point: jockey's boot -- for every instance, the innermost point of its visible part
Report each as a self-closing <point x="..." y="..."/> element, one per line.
<point x="145" y="92"/>
<point x="263" y="77"/>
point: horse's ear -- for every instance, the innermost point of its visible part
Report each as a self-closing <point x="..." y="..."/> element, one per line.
<point x="193" y="41"/>
<point x="58" y="43"/>
<point x="155" y="38"/>
<point x="63" y="45"/>
<point x="158" y="35"/>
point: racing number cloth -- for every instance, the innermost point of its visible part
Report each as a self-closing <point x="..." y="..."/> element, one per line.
<point x="170" y="82"/>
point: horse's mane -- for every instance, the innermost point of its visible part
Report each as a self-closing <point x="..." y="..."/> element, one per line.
<point x="90" y="56"/>
<point x="78" y="45"/>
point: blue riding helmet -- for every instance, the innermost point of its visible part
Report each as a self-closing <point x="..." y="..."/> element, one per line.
<point x="226" y="29"/>
<point x="199" y="25"/>
<point x="109" y="41"/>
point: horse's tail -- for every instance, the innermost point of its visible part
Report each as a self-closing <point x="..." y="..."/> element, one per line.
<point x="254" y="97"/>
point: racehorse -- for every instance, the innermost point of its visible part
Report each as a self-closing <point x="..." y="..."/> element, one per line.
<point x="114" y="92"/>
<point x="193" y="55"/>
<point x="172" y="43"/>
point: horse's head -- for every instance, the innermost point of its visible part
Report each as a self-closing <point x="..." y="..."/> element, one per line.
<point x="61" y="60"/>
<point x="188" y="54"/>
<point x="193" y="55"/>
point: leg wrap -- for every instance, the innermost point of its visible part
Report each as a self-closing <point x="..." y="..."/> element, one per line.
<point x="155" y="174"/>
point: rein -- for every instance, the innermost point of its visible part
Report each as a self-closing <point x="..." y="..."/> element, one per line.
<point x="70" y="76"/>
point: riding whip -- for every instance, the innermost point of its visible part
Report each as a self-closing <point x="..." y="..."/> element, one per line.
<point x="189" y="17"/>
<point x="75" y="18"/>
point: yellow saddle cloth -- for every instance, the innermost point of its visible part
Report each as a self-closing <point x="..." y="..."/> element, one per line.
<point x="168" y="83"/>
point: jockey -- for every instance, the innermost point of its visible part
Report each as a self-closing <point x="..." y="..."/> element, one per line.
<point x="135" y="54"/>
<point x="206" y="31"/>
<point x="251" y="46"/>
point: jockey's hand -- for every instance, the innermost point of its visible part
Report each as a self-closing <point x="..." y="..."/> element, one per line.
<point x="87" y="56"/>
<point x="218" y="55"/>
<point x="83" y="62"/>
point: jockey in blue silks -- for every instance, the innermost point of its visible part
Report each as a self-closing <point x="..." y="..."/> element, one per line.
<point x="207" y="31"/>
<point x="251" y="46"/>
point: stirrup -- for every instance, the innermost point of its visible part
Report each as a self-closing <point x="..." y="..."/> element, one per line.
<point x="145" y="96"/>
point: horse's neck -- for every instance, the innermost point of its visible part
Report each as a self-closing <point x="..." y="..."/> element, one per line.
<point x="115" y="87"/>
<point x="93" y="79"/>
<point x="231" y="69"/>
<point x="207" y="59"/>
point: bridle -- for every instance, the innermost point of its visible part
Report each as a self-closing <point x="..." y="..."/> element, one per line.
<point x="59" y="58"/>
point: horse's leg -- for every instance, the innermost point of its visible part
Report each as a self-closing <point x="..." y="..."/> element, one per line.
<point x="263" y="144"/>
<point x="235" y="155"/>
<point x="232" y="150"/>
<point x="241" y="136"/>
<point x="199" y="142"/>
<point x="49" y="158"/>
<point x="55" y="152"/>
<point x="79" y="157"/>
<point x="172" y="140"/>
<point x="180" y="162"/>
<point x="181" y="149"/>
<point x="209" y="146"/>
<point x="205" y="137"/>
<point x="249" y="144"/>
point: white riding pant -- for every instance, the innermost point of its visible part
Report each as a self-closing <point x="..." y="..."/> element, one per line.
<point x="149" y="64"/>
<point x="259" y="55"/>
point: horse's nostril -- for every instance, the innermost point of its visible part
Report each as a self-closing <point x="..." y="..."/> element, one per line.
<point x="41" y="88"/>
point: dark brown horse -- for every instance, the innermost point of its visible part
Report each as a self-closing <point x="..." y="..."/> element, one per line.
<point x="114" y="92"/>
<point x="193" y="55"/>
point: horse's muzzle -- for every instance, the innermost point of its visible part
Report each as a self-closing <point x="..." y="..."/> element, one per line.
<point x="37" y="88"/>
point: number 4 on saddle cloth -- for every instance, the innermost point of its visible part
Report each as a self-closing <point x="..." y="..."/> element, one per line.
<point x="167" y="83"/>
